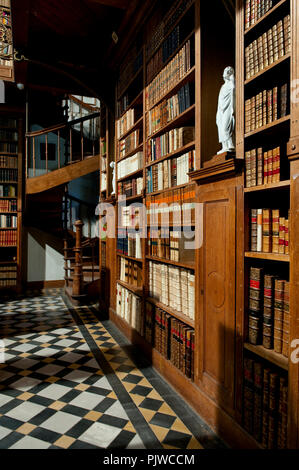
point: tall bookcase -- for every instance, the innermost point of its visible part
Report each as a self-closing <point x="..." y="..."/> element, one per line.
<point x="226" y="385"/>
<point x="266" y="132"/>
<point x="155" y="133"/>
<point x="10" y="201"/>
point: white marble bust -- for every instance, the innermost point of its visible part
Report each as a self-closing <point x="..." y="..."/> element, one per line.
<point x="112" y="165"/>
<point x="225" y="118"/>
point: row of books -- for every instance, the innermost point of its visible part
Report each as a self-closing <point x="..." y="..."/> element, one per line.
<point x="8" y="175"/>
<point x="265" y="404"/>
<point x="171" y="244"/>
<point x="169" y="109"/>
<point x="10" y="147"/>
<point x="10" y="135"/>
<point x="169" y="142"/>
<point x="130" y="216"/>
<point x="266" y="107"/>
<point x="125" y="123"/>
<point x="129" y="307"/>
<point x="255" y="10"/>
<point x="130" y="272"/>
<point x="7" y="190"/>
<point x="130" y="165"/>
<point x="268" y="48"/>
<point x="175" y="207"/>
<point x="8" y="205"/>
<point x="174" y="71"/>
<point x="269" y="231"/>
<point x="173" y="287"/>
<point x="171" y="338"/>
<point x="269" y="311"/>
<point x="129" y="71"/>
<point x="8" y="122"/>
<point x="132" y="187"/>
<point x="123" y="104"/>
<point x="162" y="29"/>
<point x="170" y="173"/>
<point x="128" y="144"/>
<point x="262" y="167"/>
<point x="8" y="276"/>
<point x="8" y="237"/>
<point x="8" y="161"/>
<point x="129" y="245"/>
<point x="8" y="221"/>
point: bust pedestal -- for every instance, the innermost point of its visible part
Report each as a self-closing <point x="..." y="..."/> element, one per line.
<point x="219" y="158"/>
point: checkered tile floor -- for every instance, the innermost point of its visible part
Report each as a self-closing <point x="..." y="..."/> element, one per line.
<point x="71" y="381"/>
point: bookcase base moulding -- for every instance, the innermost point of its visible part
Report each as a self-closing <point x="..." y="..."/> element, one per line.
<point x="222" y="423"/>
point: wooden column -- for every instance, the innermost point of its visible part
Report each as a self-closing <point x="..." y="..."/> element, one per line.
<point x="78" y="273"/>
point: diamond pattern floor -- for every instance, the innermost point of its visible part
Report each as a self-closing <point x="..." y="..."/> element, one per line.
<point x="70" y="382"/>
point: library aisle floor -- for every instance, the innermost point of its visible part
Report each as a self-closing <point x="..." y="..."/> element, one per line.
<point x="71" y="381"/>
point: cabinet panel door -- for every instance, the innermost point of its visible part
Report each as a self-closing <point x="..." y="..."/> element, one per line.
<point x="218" y="296"/>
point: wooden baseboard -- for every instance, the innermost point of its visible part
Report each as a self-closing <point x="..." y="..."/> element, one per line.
<point x="222" y="424"/>
<point x="45" y="284"/>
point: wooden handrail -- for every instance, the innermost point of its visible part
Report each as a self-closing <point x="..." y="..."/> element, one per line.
<point x="62" y="125"/>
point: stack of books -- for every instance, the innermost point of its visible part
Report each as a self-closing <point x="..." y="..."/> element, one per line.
<point x="130" y="165"/>
<point x="129" y="244"/>
<point x="132" y="187"/>
<point x="8" y="276"/>
<point x="172" y="338"/>
<point x="175" y="70"/>
<point x="169" y="142"/>
<point x="125" y="122"/>
<point x="170" y="244"/>
<point x="129" y="307"/>
<point x="255" y="10"/>
<point x="269" y="311"/>
<point x="169" y="109"/>
<point x="173" y="286"/>
<point x="130" y="272"/>
<point x="269" y="231"/>
<point x="128" y="144"/>
<point x="262" y="167"/>
<point x="265" y="404"/>
<point x="174" y="207"/>
<point x="266" y="107"/>
<point x="170" y="173"/>
<point x="268" y="48"/>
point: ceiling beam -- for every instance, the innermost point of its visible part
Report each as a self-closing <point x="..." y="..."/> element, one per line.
<point x="120" y="4"/>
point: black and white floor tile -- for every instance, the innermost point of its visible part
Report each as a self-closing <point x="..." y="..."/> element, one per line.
<point x="72" y="381"/>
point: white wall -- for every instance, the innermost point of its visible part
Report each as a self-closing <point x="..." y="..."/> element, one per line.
<point x="45" y="263"/>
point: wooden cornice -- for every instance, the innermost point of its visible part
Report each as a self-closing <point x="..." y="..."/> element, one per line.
<point x="217" y="171"/>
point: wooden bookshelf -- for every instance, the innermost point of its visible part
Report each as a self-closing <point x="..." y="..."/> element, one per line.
<point x="269" y="355"/>
<point x="10" y="253"/>
<point x="178" y="315"/>
<point x="275" y="193"/>
<point x="174" y="263"/>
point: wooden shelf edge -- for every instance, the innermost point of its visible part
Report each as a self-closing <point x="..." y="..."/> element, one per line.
<point x="180" y="264"/>
<point x="269" y="354"/>
<point x="267" y="69"/>
<point x="138" y="260"/>
<point x="131" y="175"/>
<point x="188" y="76"/>
<point x="268" y="126"/>
<point x="132" y="152"/>
<point x="135" y="126"/>
<point x="136" y="290"/>
<point x="171" y="123"/>
<point x="267" y="256"/>
<point x="178" y="315"/>
<point x="265" y="187"/>
<point x="172" y="154"/>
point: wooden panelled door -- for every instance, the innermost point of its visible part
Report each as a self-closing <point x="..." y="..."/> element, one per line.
<point x="217" y="294"/>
